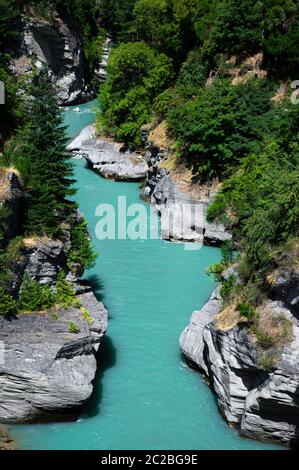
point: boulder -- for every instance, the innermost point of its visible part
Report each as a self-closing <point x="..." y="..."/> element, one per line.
<point x="107" y="159"/>
<point x="46" y="371"/>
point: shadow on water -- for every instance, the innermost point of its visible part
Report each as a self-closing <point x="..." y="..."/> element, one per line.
<point x="106" y="358"/>
<point x="295" y="441"/>
<point x="106" y="355"/>
<point x="97" y="286"/>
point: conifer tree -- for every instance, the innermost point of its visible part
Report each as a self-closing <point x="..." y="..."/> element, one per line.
<point x="50" y="168"/>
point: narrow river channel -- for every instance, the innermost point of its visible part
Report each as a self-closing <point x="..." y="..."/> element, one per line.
<point x="145" y="396"/>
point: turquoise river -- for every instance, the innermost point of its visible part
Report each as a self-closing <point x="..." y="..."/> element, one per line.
<point x="145" y="396"/>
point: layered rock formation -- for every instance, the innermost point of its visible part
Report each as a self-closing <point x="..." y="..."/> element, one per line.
<point x="101" y="72"/>
<point x="261" y="404"/>
<point x="47" y="372"/>
<point x="184" y="218"/>
<point x="107" y="158"/>
<point x="58" y="43"/>
<point x="46" y="366"/>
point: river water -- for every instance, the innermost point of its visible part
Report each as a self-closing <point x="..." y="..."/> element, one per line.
<point x="145" y="396"/>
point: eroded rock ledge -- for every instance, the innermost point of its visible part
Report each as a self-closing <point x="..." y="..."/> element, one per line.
<point x="262" y="405"/>
<point x="47" y="372"/>
<point x="107" y="158"/>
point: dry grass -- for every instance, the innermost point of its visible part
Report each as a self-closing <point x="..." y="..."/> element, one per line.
<point x="34" y="241"/>
<point x="228" y="318"/>
<point x="159" y="136"/>
<point x="272" y="329"/>
<point x="251" y="66"/>
<point x="281" y="93"/>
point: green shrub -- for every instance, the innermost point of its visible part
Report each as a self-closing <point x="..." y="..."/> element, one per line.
<point x="227" y="288"/>
<point x="81" y="251"/>
<point x="35" y="297"/>
<point x="8" y="305"/>
<point x="9" y="259"/>
<point x="221" y="125"/>
<point x="73" y="327"/>
<point x="265" y="340"/>
<point x="64" y="293"/>
<point x="247" y="311"/>
<point x="215" y="271"/>
<point x="217" y="210"/>
<point x="268" y="360"/>
<point x="86" y="315"/>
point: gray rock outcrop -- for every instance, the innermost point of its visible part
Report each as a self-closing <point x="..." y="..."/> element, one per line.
<point x="58" y="44"/>
<point x="101" y="72"/>
<point x="106" y="158"/>
<point x="47" y="372"/>
<point x="286" y="286"/>
<point x="183" y="218"/>
<point x="262" y="405"/>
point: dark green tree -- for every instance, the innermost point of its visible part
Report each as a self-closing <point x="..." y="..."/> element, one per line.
<point x="40" y="154"/>
<point x="136" y="74"/>
<point x="221" y="125"/>
<point x="9" y="13"/>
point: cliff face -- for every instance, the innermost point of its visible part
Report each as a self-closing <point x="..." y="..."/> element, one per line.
<point x="263" y="405"/>
<point x="47" y="372"/>
<point x="183" y="214"/>
<point x="57" y="43"/>
<point x="11" y="204"/>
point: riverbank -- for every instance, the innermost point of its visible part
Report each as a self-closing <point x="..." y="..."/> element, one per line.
<point x="6" y="441"/>
<point x="182" y="210"/>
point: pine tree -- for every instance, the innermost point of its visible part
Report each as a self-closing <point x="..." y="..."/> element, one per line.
<point x="50" y="168"/>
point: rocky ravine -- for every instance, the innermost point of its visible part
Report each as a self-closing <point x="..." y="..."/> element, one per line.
<point x="57" y="43"/>
<point x="46" y="372"/>
<point x="263" y="405"/>
<point x="182" y="216"/>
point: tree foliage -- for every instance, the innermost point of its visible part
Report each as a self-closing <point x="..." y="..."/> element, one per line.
<point x="39" y="152"/>
<point x="135" y="75"/>
<point x="221" y="125"/>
